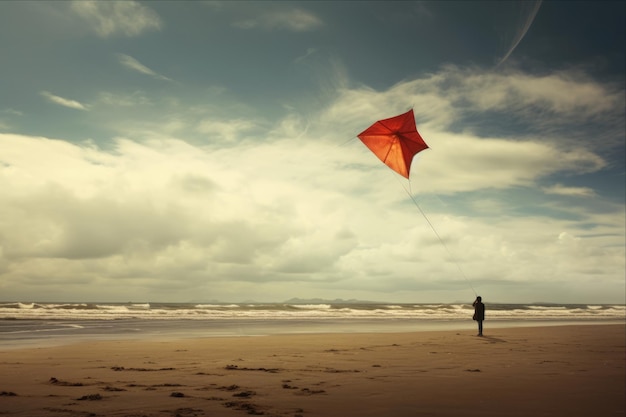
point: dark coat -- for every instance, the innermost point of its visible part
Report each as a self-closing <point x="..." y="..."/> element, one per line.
<point x="479" y="311"/>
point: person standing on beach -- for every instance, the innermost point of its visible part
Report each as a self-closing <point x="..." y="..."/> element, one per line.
<point x="479" y="313"/>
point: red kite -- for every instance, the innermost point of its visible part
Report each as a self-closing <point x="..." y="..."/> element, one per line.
<point x="395" y="141"/>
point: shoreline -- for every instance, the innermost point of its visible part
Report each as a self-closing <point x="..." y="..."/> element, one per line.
<point x="571" y="370"/>
<point x="25" y="333"/>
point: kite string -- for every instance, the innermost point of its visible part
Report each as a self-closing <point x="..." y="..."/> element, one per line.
<point x="410" y="194"/>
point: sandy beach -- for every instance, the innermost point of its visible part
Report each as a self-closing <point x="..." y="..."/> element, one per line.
<point x="531" y="371"/>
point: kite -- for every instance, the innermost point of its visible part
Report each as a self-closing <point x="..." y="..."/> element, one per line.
<point x="395" y="141"/>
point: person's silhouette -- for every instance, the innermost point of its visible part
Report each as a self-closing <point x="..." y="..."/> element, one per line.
<point x="479" y="314"/>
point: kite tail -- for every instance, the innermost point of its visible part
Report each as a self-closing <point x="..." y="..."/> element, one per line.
<point x="408" y="191"/>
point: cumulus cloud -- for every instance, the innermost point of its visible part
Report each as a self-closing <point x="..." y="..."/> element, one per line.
<point x="293" y="207"/>
<point x="565" y="106"/>
<point x="72" y="104"/>
<point x="117" y="18"/>
<point x="562" y="92"/>
<point x="268" y="213"/>
<point x="296" y="20"/>
<point x="468" y="163"/>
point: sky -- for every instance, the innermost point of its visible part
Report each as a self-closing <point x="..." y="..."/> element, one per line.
<point x="191" y="151"/>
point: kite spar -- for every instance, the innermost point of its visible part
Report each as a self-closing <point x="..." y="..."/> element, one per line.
<point x="395" y="141"/>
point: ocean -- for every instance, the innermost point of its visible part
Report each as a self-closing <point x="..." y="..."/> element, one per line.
<point x="36" y="324"/>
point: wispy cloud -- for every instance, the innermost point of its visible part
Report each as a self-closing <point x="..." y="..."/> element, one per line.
<point x="72" y="104"/>
<point x="11" y="112"/>
<point x="117" y="18"/>
<point x="529" y="17"/>
<point x="136" y="98"/>
<point x="296" y="20"/>
<point x="131" y="63"/>
<point x="560" y="189"/>
<point x="309" y="52"/>
<point x="5" y="114"/>
<point x="228" y="131"/>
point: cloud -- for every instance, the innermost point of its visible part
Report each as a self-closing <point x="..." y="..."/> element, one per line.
<point x="225" y="130"/>
<point x="563" y="92"/>
<point x="117" y="18"/>
<point x="531" y="9"/>
<point x="560" y="189"/>
<point x="565" y="106"/>
<point x="11" y="112"/>
<point x="458" y="163"/>
<point x="296" y="20"/>
<point x="564" y="95"/>
<point x="136" y="98"/>
<point x="279" y="216"/>
<point x="133" y="64"/>
<point x="72" y="104"/>
<point x="197" y="205"/>
<point x="8" y="113"/>
<point x="309" y="52"/>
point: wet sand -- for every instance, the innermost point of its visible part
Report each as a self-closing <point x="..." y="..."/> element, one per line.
<point x="532" y="371"/>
